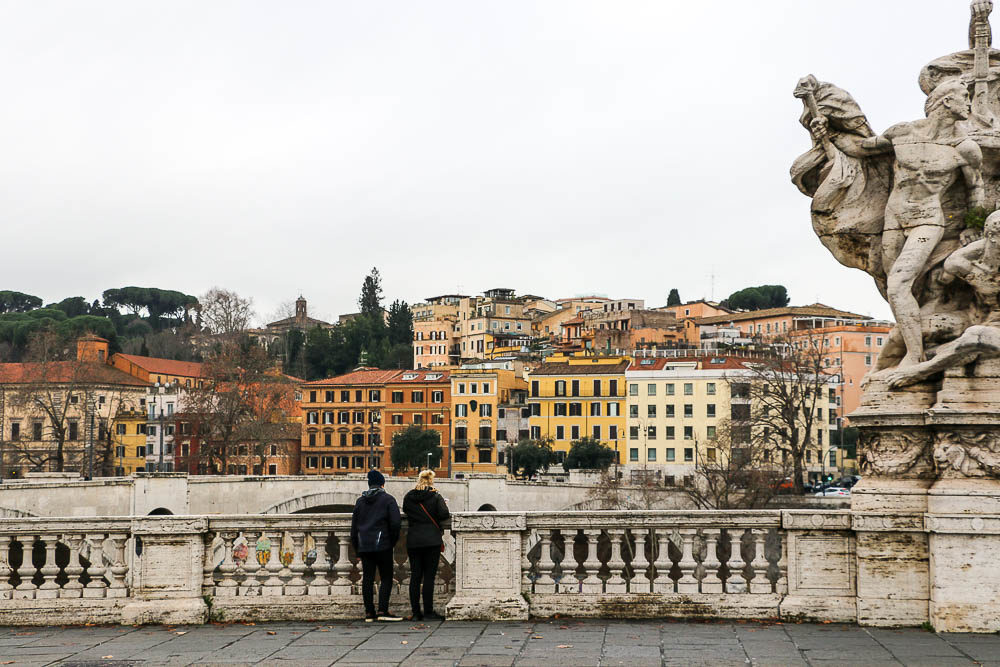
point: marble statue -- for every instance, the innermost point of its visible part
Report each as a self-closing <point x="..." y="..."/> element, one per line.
<point x="895" y="205"/>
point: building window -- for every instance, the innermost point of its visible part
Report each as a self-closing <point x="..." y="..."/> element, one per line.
<point x="651" y="454"/>
<point x="312" y="439"/>
<point x="312" y="418"/>
<point x="633" y="411"/>
<point x="613" y="432"/>
<point x="633" y="432"/>
<point x="15" y="431"/>
<point x="140" y="451"/>
<point x="330" y="394"/>
<point x="536" y="432"/>
<point x="359" y="417"/>
<point x="688" y="388"/>
<point x="650" y="389"/>
<point x="74" y="431"/>
<point x="633" y="390"/>
<point x="651" y="411"/>
<point x="343" y="440"/>
<point x="437" y="418"/>
<point x="575" y="409"/>
<point x="328" y="439"/>
<point x="688" y="410"/>
<point x="710" y="389"/>
<point x="397" y="397"/>
<point x="560" y="387"/>
<point x="689" y="432"/>
<point x="417" y="397"/>
<point x="868" y="360"/>
<point x="396" y="418"/>
<point x="418" y="419"/>
<point x="312" y="396"/>
<point x="36" y="430"/>
<point x="612" y="387"/>
<point x="613" y="410"/>
<point x="651" y="433"/>
<point x="633" y="454"/>
<point x="710" y="432"/>
<point x="575" y="387"/>
<point x="559" y="409"/>
<point x="596" y="434"/>
<point x="669" y="411"/>
<point x="670" y="455"/>
<point x="151" y="429"/>
<point x="461" y="456"/>
<point x="560" y="433"/>
<point x="688" y="454"/>
<point x="534" y="387"/>
<point x="595" y="409"/>
<point x="670" y="389"/>
<point x="669" y="433"/>
<point x="485" y="410"/>
<point x="312" y="462"/>
<point x="710" y="410"/>
<point x="597" y="387"/>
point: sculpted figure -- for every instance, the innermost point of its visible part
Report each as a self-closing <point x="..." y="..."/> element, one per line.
<point x="930" y="155"/>
<point x="978" y="265"/>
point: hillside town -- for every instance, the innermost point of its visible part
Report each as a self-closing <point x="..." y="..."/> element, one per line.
<point x="498" y="383"/>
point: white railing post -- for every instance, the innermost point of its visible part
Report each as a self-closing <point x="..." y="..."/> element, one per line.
<point x="488" y="566"/>
<point x="711" y="583"/>
<point x="616" y="582"/>
<point x="640" y="582"/>
<point x="663" y="583"/>
<point x="687" y="564"/>
<point x="592" y="565"/>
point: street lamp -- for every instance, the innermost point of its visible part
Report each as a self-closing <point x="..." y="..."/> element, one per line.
<point x="428" y="460"/>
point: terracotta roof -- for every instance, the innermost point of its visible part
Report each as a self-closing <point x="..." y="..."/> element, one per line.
<point x="581" y="369"/>
<point x="574" y="320"/>
<point x="360" y="376"/>
<point x="719" y="363"/>
<point x="421" y="376"/>
<point x="66" y="372"/>
<point x="165" y="366"/>
<point x="815" y="310"/>
<point x="92" y="338"/>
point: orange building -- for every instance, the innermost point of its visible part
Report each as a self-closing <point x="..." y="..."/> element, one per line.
<point x="420" y="398"/>
<point x="186" y="374"/>
<point x="343" y="422"/>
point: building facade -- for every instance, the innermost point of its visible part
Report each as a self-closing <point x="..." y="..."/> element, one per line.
<point x="477" y="393"/>
<point x="571" y="398"/>
<point x="420" y="398"/>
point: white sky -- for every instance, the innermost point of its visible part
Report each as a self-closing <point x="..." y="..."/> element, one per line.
<point x="558" y="148"/>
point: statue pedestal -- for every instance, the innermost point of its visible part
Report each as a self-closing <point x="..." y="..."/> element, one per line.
<point x="927" y="513"/>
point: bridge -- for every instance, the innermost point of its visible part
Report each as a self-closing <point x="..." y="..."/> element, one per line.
<point x="179" y="494"/>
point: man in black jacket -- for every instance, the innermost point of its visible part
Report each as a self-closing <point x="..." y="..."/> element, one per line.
<point x="374" y="531"/>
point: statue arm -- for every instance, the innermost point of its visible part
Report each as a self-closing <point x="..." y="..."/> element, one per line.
<point x="959" y="263"/>
<point x="973" y="172"/>
<point x="877" y="145"/>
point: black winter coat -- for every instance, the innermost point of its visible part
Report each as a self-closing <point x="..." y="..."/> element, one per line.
<point x="375" y="523"/>
<point x="421" y="531"/>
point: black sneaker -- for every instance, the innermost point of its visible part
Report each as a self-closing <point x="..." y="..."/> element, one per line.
<point x="433" y="616"/>
<point x="368" y="618"/>
<point x="389" y="618"/>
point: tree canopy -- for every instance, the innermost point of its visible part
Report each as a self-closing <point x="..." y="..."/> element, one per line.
<point x="674" y="298"/>
<point x="411" y="447"/>
<point x="526" y="458"/>
<point x="588" y="454"/>
<point x="18" y="302"/>
<point x="758" y="298"/>
<point x="370" y="301"/>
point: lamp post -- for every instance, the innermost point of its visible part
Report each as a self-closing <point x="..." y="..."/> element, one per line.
<point x="371" y="446"/>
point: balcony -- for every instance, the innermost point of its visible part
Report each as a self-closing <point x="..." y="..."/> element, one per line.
<point x="460" y="443"/>
<point x="484" y="443"/>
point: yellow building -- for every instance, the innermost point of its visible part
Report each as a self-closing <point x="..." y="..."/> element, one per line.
<point x="477" y="392"/>
<point x="128" y="437"/>
<point x="676" y="405"/>
<point x="576" y="397"/>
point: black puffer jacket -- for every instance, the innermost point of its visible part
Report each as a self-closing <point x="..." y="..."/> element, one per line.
<point x="421" y="531"/>
<point x="375" y="523"/>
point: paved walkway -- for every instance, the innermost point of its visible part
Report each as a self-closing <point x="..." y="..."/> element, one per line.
<point x="558" y="643"/>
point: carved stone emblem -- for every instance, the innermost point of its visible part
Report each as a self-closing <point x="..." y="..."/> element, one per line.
<point x="895" y="452"/>
<point x="967" y="453"/>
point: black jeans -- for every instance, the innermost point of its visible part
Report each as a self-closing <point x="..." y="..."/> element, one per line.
<point x="369" y="562"/>
<point x="423" y="569"/>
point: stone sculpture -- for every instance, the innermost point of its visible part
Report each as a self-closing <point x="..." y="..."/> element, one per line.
<point x="911" y="207"/>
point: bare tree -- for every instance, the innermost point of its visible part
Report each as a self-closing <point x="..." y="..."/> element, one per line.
<point x="740" y="470"/>
<point x="242" y="403"/>
<point x="779" y="401"/>
<point x="224" y="312"/>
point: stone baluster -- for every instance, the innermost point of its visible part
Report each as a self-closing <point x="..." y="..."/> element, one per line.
<point x="616" y="582"/>
<point x="320" y="585"/>
<point x="343" y="567"/>
<point x="592" y="584"/>
<point x="6" y="590"/>
<point x="208" y="569"/>
<point x="251" y="584"/>
<point x="710" y="582"/>
<point x="273" y="585"/>
<point x="526" y="565"/>
<point x="26" y="589"/>
<point x="227" y="582"/>
<point x="663" y="583"/>
<point x="49" y="588"/>
<point x="545" y="583"/>
<point x="781" y="585"/>
<point x="640" y="581"/>
<point x="568" y="582"/>
<point x="119" y="568"/>
<point x="96" y="587"/>
<point x="401" y="571"/>
<point x="688" y="583"/>
<point x="760" y="583"/>
<point x="736" y="582"/>
<point x="296" y="583"/>
<point x="72" y="588"/>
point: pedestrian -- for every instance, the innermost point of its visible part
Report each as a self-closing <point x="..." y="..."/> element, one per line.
<point x="425" y="510"/>
<point x="374" y="532"/>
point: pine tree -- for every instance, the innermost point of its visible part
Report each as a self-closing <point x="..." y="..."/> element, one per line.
<point x="674" y="298"/>
<point x="370" y="301"/>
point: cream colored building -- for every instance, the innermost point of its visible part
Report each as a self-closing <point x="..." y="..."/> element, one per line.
<point x="674" y="408"/>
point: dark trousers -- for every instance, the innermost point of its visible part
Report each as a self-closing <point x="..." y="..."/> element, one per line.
<point x="423" y="569"/>
<point x="370" y="561"/>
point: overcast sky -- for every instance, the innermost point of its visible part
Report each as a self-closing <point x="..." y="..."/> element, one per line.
<point x="558" y="148"/>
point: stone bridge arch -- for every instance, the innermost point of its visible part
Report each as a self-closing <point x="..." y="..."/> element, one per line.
<point x="301" y="504"/>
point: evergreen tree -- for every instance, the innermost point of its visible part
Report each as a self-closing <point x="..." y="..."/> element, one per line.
<point x="588" y="454"/>
<point x="674" y="298"/>
<point x="411" y="447"/>
<point x="370" y="301"/>
<point x="528" y="457"/>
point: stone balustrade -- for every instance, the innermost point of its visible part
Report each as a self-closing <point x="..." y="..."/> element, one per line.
<point x="790" y="564"/>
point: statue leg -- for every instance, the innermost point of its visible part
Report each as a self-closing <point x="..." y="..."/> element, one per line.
<point x="977" y="342"/>
<point x="908" y="265"/>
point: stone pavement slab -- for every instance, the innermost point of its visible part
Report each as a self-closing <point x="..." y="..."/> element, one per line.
<point x="554" y="643"/>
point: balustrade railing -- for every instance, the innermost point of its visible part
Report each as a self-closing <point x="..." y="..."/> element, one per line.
<point x="653" y="552"/>
<point x="44" y="559"/>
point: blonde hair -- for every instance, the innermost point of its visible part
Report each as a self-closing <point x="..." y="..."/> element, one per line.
<point x="425" y="480"/>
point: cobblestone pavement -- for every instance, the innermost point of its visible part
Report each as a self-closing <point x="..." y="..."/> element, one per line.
<point x="556" y="643"/>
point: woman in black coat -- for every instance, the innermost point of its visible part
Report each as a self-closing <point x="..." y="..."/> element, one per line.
<point x="425" y="511"/>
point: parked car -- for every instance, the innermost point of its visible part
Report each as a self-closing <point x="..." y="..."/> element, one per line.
<point x="834" y="491"/>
